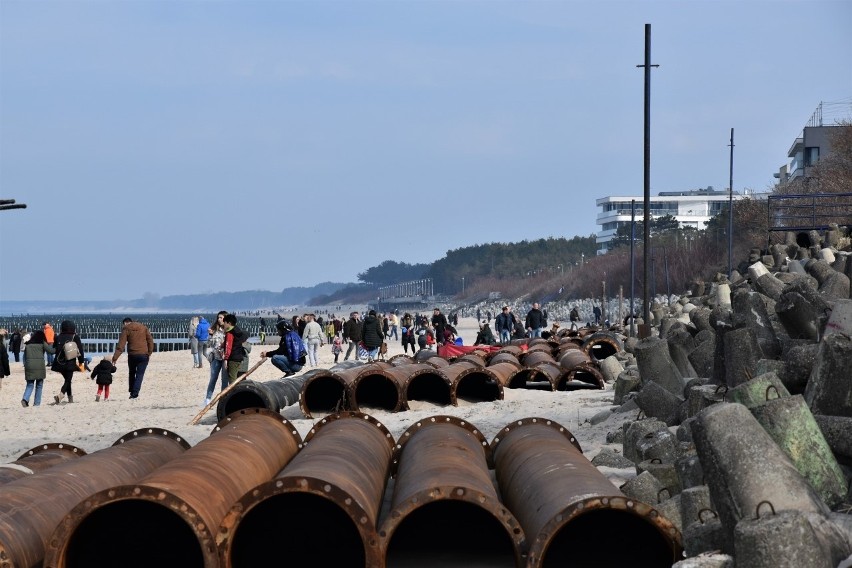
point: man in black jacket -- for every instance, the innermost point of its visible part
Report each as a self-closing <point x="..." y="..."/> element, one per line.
<point x="352" y="334"/>
<point x="536" y="320"/>
<point x="439" y="322"/>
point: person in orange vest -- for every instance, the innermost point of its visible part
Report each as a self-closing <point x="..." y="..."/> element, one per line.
<point x="49" y="336"/>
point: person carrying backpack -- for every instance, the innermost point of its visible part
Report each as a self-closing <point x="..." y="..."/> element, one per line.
<point x="68" y="359"/>
<point x="202" y="335"/>
<point x="291" y="353"/>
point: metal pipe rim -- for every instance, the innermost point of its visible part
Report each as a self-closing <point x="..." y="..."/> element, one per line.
<point x="153" y="432"/>
<point x="431" y="421"/>
<point x="348" y="415"/>
<point x="264" y="412"/>
<point x="51" y="447"/>
<point x="534" y="420"/>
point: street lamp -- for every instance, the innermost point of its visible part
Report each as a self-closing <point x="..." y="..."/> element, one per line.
<point x="561" y="272"/>
<point x="462" y="284"/>
<point x="582" y="258"/>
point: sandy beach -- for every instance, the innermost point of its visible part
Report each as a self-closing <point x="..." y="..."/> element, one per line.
<point x="173" y="393"/>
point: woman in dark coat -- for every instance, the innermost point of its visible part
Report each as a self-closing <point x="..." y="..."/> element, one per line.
<point x="34" y="370"/>
<point x="372" y="335"/>
<point x="67" y="332"/>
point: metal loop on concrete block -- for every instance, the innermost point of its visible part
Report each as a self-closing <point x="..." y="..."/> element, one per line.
<point x="759" y="505"/>
<point x="701" y="514"/>
<point x="772" y="387"/>
<point x="668" y="492"/>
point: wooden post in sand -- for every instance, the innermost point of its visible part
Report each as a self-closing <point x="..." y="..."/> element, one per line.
<point x="216" y="398"/>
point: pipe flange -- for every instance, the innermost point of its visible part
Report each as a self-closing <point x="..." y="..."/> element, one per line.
<point x="226" y="421"/>
<point x="534" y="420"/>
<point x="348" y="415"/>
<point x="53" y="446"/>
<point x="153" y="432"/>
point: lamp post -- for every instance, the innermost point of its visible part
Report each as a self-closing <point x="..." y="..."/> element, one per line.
<point x="561" y="271"/>
<point x="582" y="258"/>
<point x="462" y="284"/>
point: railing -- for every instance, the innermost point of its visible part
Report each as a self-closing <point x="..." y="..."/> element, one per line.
<point x="805" y="212"/>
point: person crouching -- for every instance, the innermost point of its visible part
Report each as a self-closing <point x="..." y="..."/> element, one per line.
<point x="103" y="377"/>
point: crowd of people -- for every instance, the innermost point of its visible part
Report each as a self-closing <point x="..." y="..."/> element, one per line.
<point x="226" y="347"/>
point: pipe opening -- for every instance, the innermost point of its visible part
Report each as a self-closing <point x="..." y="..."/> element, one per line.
<point x="451" y="534"/>
<point x="324" y="394"/>
<point x="477" y="387"/>
<point x="133" y="534"/>
<point x="586" y="540"/>
<point x="304" y="525"/>
<point x="377" y="391"/>
<point x="529" y="379"/>
<point x="579" y="379"/>
<point x="601" y="350"/>
<point x="803" y="239"/>
<point x="243" y="399"/>
<point x="429" y="387"/>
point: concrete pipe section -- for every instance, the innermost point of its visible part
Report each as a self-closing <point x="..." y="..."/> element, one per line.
<point x="445" y="510"/>
<point x="473" y="383"/>
<point x="32" y="507"/>
<point x="323" y="507"/>
<point x="428" y="384"/>
<point x="568" y="509"/>
<point x="601" y="345"/>
<point x="38" y="459"/>
<point x="273" y="395"/>
<point x="323" y="392"/>
<point x="169" y="517"/>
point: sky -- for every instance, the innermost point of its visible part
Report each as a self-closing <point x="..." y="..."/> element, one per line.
<point x="177" y="147"/>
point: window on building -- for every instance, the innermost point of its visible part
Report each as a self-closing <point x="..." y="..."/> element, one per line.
<point x="811" y="156"/>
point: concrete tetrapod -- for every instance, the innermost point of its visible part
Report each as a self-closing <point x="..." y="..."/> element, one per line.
<point x="32" y="507"/>
<point x="38" y="459"/>
<point x="568" y="509"/>
<point x="324" y="505"/>
<point x="445" y="510"/>
<point x="168" y="518"/>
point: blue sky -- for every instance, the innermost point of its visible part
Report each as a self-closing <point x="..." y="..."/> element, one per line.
<point x="185" y="147"/>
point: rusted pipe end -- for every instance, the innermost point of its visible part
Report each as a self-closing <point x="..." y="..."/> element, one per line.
<point x="582" y="376"/>
<point x="152" y="432"/>
<point x="401" y="359"/>
<point x="326" y="392"/>
<point x="427" y="384"/>
<point x="148" y="524"/>
<point x="580" y="535"/>
<point x="56" y="447"/>
<point x="474" y="358"/>
<point x="376" y="388"/>
<point x="512" y="350"/>
<point x="477" y="385"/>
<point x="601" y="345"/>
<point x="534" y="420"/>
<point x="303" y="513"/>
<point x="432" y="421"/>
<point x="503" y="357"/>
<point x="450" y="521"/>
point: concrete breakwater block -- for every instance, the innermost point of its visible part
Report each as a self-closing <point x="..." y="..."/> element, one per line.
<point x="656" y="365"/>
<point x="838" y="433"/>
<point x="660" y="403"/>
<point x="635" y="431"/>
<point x="758" y="390"/>
<point x="743" y="466"/>
<point x="707" y="560"/>
<point x="790" y="423"/>
<point x="829" y="390"/>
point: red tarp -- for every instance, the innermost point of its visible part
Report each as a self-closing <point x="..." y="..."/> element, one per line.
<point x="450" y="351"/>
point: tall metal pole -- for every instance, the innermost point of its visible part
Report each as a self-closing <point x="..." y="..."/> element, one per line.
<point x="646" y="308"/>
<point x="731" y="210"/>
<point x="632" y="268"/>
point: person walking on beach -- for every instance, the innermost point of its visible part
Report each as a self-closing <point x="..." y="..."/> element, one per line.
<point x="68" y="358"/>
<point x="312" y="338"/>
<point x="352" y="334"/>
<point x="408" y="335"/>
<point x="216" y="356"/>
<point x="536" y="320"/>
<point x="136" y="338"/>
<point x="574" y="317"/>
<point x="202" y="335"/>
<point x="50" y="335"/>
<point x="234" y="352"/>
<point x="373" y="336"/>
<point x="34" y="370"/>
<point x="193" y="341"/>
<point x="393" y="322"/>
<point x="439" y="323"/>
<point x="102" y="374"/>
<point x="4" y="356"/>
<point x="290" y="354"/>
<point x="336" y="347"/>
<point x="15" y="343"/>
<point x="504" y="324"/>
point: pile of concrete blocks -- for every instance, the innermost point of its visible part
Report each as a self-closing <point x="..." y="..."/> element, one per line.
<point x="743" y="404"/>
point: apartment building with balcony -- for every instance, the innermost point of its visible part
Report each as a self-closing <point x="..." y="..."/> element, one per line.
<point x="815" y="140"/>
<point x="692" y="208"/>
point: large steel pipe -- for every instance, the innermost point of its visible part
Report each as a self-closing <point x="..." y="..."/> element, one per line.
<point x="473" y="383"/>
<point x="445" y="510"/>
<point x="601" y="345"/>
<point x="31" y="507"/>
<point x="323" y="506"/>
<point x="272" y="395"/>
<point x="371" y="386"/>
<point x="428" y="384"/>
<point x="580" y="368"/>
<point x="504" y="357"/>
<point x="38" y="459"/>
<point x="324" y="391"/>
<point x="568" y="509"/>
<point x="169" y="517"/>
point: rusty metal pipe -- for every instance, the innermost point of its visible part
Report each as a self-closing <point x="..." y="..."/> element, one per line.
<point x="444" y="502"/>
<point x="169" y="517"/>
<point x="273" y="395"/>
<point x="424" y="382"/>
<point x="31" y="507"/>
<point x="568" y="509"/>
<point x="601" y="345"/>
<point x="504" y="357"/>
<point x="38" y="459"/>
<point x="324" y="505"/>
<point x="324" y="391"/>
<point x="378" y="386"/>
<point x="473" y="383"/>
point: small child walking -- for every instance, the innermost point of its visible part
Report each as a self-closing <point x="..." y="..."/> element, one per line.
<point x="336" y="347"/>
<point x="103" y="376"/>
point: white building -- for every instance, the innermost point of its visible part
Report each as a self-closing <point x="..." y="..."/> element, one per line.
<point x="691" y="208"/>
